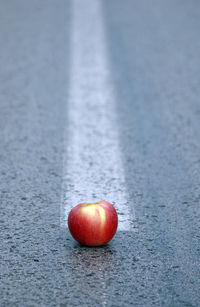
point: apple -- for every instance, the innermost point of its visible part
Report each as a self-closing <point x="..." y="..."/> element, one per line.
<point x="93" y="224"/>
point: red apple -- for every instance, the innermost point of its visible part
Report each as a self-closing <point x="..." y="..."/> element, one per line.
<point x="93" y="224"/>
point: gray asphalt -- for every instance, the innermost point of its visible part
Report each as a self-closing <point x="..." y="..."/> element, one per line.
<point x="154" y="49"/>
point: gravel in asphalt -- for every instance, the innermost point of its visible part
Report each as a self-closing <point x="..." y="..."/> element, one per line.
<point x="153" y="61"/>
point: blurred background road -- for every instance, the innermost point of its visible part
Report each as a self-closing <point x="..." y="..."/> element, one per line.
<point x="152" y="62"/>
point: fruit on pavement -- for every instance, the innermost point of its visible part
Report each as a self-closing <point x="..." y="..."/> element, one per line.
<point x="93" y="224"/>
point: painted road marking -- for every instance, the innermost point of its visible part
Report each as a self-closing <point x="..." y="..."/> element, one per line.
<point x="93" y="168"/>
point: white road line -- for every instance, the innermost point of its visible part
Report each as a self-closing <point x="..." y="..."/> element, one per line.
<point x="93" y="167"/>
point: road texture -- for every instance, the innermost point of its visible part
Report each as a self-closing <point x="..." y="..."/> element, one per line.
<point x="152" y="61"/>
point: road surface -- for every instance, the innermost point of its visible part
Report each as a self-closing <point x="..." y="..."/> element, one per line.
<point x="100" y="100"/>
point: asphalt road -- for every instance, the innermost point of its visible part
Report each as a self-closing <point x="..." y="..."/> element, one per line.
<point x="152" y="56"/>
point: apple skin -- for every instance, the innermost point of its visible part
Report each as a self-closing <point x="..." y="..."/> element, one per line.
<point x="93" y="224"/>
